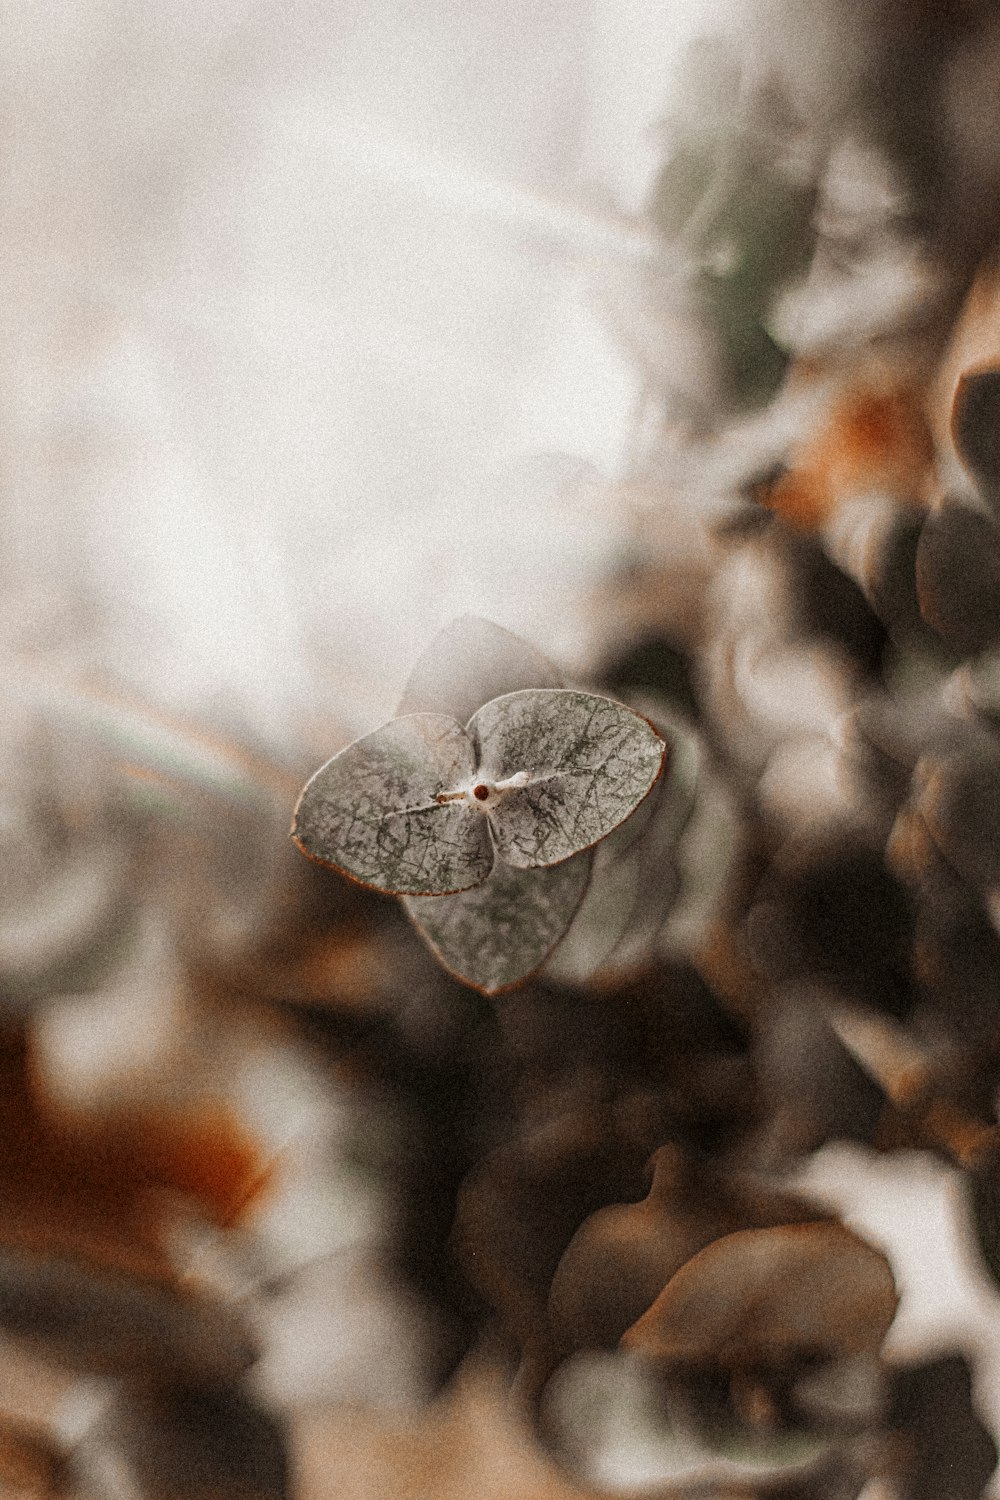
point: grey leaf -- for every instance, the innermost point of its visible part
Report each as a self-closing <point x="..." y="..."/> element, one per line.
<point x="469" y="662"/>
<point x="496" y="935"/>
<point x="371" y="810"/>
<point x="587" y="763"/>
<point x="634" y="883"/>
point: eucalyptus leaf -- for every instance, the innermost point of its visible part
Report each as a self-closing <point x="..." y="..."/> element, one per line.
<point x="494" y="936"/>
<point x="469" y="662"/>
<point x="587" y="763"/>
<point x="766" y="1296"/>
<point x="372" y="812"/>
<point x="634" y="881"/>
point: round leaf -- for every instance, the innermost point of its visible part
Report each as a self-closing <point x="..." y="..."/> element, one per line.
<point x="762" y="1295"/>
<point x="371" y="810"/>
<point x="469" y="662"/>
<point x="587" y="762"/>
<point x="496" y="935"/>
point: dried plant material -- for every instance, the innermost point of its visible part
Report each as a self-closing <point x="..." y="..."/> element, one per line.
<point x="500" y="932"/>
<point x="576" y="766"/>
<point x="769" y="1296"/>
<point x="635" y="880"/>
<point x="107" y="1188"/>
<point x="418" y="807"/>
<point x="623" y="1256"/>
<point x="472" y="819"/>
<point x="469" y="662"/>
<point x="377" y="813"/>
<point x="874" y="439"/>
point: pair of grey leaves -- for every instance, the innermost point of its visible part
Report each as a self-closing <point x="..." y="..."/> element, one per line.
<point x="424" y="807"/>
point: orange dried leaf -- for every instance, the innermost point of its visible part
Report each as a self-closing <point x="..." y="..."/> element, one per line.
<point x="875" y="440"/>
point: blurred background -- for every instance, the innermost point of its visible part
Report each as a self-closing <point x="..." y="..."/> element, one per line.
<point x="301" y="344"/>
<point x="321" y="325"/>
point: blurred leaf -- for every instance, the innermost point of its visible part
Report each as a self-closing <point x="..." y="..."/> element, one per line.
<point x="470" y="662"/>
<point x="503" y="930"/>
<point x="197" y="1442"/>
<point x="622" y="1257"/>
<point x="115" y="1325"/>
<point x="72" y="927"/>
<point x="109" y="1188"/>
<point x="975" y="428"/>
<point x="733" y="194"/>
<point x="958" y="577"/>
<point x="371" y="810"/>
<point x="763" y="1296"/>
<point x="587" y="762"/>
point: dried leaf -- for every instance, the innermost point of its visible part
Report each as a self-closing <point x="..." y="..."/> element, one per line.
<point x="371" y="810"/>
<point x="622" y="1257"/>
<point x="769" y="1295"/>
<point x="587" y="761"/>
<point x="497" y="934"/>
<point x="470" y="662"/>
<point x="634" y="881"/>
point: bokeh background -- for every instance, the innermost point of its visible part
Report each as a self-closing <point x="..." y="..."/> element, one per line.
<point x="320" y="325"/>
